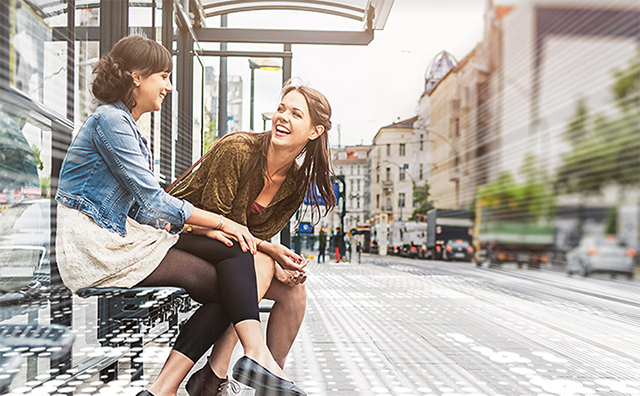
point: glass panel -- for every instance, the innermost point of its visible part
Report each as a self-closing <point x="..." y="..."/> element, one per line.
<point x="25" y="192"/>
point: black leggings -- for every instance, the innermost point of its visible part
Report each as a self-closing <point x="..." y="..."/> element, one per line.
<point x="220" y="277"/>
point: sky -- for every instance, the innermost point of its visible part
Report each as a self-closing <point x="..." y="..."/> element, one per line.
<point x="368" y="86"/>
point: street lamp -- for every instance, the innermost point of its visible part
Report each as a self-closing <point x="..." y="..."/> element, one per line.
<point x="262" y="64"/>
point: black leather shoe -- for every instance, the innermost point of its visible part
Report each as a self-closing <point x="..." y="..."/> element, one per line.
<point x="145" y="393"/>
<point x="253" y="374"/>
<point x="205" y="382"/>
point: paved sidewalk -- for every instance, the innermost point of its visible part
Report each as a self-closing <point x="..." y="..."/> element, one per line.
<point x="360" y="335"/>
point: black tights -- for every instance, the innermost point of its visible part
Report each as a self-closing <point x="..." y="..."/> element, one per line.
<point x="195" y="264"/>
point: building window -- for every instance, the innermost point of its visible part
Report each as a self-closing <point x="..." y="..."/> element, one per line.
<point x="388" y="174"/>
<point x="358" y="184"/>
<point x="352" y="169"/>
<point x="402" y="174"/>
<point x="403" y="149"/>
<point x="358" y="170"/>
<point x="421" y="142"/>
<point x="377" y="177"/>
<point x="358" y="202"/>
<point x="401" y="200"/>
<point x="340" y="171"/>
<point x="457" y="127"/>
<point x="388" y="208"/>
<point x="388" y="149"/>
<point x="420" y="171"/>
<point x="377" y="201"/>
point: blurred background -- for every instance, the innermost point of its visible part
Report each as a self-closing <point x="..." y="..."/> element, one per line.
<point x="494" y="132"/>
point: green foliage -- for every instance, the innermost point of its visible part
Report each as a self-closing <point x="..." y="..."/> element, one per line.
<point x="45" y="186"/>
<point x="529" y="201"/>
<point x="605" y="150"/>
<point x="37" y="153"/>
<point x="612" y="221"/>
<point x="421" y="202"/>
<point x="210" y="134"/>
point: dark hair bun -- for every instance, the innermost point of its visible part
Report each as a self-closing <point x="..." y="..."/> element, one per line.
<point x="112" y="82"/>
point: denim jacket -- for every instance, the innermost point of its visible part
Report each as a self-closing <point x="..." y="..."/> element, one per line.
<point x="107" y="175"/>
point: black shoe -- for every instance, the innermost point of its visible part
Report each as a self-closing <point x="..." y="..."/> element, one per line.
<point x="205" y="382"/>
<point x="253" y="374"/>
<point x="145" y="393"/>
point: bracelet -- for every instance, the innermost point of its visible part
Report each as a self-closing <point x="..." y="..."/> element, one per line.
<point x="221" y="221"/>
<point x="189" y="229"/>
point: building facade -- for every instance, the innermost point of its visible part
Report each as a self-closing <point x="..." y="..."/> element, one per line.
<point x="352" y="164"/>
<point x="464" y="122"/>
<point x="391" y="164"/>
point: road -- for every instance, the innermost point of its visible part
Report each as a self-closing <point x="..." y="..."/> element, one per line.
<point x="396" y="326"/>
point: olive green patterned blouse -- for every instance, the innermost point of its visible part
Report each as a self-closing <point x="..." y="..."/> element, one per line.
<point x="221" y="185"/>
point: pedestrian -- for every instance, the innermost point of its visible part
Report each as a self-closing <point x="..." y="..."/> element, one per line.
<point x="254" y="179"/>
<point x="322" y="245"/>
<point x="338" y="244"/>
<point x="118" y="228"/>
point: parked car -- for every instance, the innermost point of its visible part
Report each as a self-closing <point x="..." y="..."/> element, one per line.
<point x="410" y="250"/>
<point x="600" y="254"/>
<point x="457" y="249"/>
<point x="25" y="235"/>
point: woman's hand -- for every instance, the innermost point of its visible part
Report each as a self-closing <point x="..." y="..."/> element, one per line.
<point x="241" y="234"/>
<point x="221" y="236"/>
<point x="287" y="258"/>
<point x="290" y="278"/>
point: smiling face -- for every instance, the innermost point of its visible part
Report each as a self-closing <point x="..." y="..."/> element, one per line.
<point x="150" y="92"/>
<point x="291" y="123"/>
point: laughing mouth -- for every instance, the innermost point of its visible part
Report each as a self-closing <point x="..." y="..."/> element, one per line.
<point x="282" y="129"/>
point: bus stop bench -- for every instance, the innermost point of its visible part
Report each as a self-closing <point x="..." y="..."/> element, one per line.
<point x="123" y="311"/>
<point x="53" y="339"/>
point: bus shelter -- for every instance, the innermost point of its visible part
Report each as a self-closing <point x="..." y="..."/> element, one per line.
<point x="47" y="50"/>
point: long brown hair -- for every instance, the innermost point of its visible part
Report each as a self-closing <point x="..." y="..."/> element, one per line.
<point x="113" y="80"/>
<point x="316" y="167"/>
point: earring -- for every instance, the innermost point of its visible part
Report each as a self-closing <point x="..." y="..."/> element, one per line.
<point x="136" y="83"/>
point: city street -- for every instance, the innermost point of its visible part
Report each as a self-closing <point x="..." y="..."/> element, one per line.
<point x="396" y="326"/>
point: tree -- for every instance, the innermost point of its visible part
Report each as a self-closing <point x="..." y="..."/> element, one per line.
<point x="529" y="201"/>
<point x="421" y="202"/>
<point x="605" y="150"/>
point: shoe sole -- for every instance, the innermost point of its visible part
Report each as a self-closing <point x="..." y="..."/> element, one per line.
<point x="250" y="381"/>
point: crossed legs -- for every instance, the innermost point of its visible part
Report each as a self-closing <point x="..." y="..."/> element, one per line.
<point x="284" y="322"/>
<point x="199" y="278"/>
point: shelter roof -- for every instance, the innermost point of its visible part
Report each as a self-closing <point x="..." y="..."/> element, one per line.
<point x="373" y="13"/>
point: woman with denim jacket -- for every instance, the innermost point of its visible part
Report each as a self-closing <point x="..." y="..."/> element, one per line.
<point x="118" y="228"/>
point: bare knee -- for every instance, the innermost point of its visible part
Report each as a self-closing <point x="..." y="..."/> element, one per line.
<point x="291" y="298"/>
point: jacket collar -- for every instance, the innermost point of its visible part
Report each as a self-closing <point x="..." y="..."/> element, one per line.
<point x="121" y="106"/>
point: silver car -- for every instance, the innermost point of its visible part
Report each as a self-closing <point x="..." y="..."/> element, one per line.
<point x="600" y="254"/>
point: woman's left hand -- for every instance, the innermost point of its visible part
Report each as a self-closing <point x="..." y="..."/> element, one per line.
<point x="290" y="278"/>
<point x="287" y="258"/>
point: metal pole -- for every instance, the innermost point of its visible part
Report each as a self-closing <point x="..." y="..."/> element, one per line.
<point x="153" y="115"/>
<point x="285" y="234"/>
<point x="251" y="98"/>
<point x="60" y="298"/>
<point x="222" y="86"/>
<point x="166" y="114"/>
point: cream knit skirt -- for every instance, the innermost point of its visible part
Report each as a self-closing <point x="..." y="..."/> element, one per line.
<point x="91" y="256"/>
